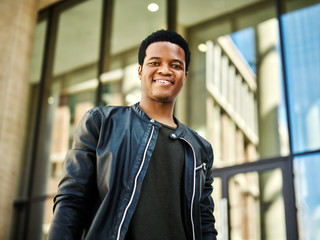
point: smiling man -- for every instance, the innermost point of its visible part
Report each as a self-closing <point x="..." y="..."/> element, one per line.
<point x="162" y="73"/>
<point x="137" y="172"/>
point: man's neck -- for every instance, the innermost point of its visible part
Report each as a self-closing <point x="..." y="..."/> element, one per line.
<point x="161" y="112"/>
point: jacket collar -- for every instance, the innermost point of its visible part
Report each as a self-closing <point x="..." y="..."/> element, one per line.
<point x="180" y="130"/>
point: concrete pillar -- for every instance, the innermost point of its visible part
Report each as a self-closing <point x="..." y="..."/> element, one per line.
<point x="269" y="82"/>
<point x="17" y="24"/>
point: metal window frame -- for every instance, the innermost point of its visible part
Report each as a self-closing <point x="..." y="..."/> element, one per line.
<point x="283" y="163"/>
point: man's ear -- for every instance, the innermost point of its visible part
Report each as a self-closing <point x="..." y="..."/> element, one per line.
<point x="185" y="77"/>
<point x="140" y="71"/>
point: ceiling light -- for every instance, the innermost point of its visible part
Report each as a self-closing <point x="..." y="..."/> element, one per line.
<point x="50" y="100"/>
<point x="202" y="47"/>
<point x="153" y="7"/>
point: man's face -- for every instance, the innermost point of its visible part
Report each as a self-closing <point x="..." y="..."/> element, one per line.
<point x="163" y="72"/>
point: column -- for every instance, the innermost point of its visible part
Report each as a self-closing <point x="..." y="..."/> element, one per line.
<point x="269" y="82"/>
<point x="17" y="24"/>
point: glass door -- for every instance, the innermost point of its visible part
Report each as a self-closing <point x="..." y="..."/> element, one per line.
<point x="255" y="201"/>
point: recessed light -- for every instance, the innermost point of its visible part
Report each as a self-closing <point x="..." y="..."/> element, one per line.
<point x="153" y="7"/>
<point x="202" y="47"/>
<point x="50" y="100"/>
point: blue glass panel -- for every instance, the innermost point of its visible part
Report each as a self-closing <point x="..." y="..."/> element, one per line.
<point x="301" y="34"/>
<point x="307" y="179"/>
<point x="245" y="41"/>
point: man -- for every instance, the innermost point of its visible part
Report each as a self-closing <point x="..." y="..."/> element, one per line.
<point x="137" y="172"/>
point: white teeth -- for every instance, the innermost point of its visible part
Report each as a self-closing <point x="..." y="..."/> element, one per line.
<point x="162" y="81"/>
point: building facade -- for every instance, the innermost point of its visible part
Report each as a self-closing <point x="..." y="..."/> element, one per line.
<point x="252" y="91"/>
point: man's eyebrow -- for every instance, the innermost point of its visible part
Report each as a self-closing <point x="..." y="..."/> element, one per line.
<point x="174" y="60"/>
<point x="177" y="60"/>
<point x="152" y="58"/>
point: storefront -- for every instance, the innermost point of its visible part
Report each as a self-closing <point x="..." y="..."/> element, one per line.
<point x="252" y="91"/>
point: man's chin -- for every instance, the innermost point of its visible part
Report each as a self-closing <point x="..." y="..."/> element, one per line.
<point x="164" y="99"/>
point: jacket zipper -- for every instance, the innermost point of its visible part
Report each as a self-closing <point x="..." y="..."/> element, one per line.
<point x="135" y="184"/>
<point x="203" y="165"/>
<point x="194" y="187"/>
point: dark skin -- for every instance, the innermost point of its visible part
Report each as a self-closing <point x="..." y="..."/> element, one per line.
<point x="162" y="76"/>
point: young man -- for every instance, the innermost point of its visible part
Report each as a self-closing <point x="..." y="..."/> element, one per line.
<point x="137" y="172"/>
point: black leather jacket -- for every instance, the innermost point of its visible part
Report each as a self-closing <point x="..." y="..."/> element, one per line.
<point x="105" y="168"/>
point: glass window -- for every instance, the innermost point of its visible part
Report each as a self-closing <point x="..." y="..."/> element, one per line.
<point x="236" y="61"/>
<point x="38" y="51"/>
<point x="78" y="38"/>
<point x="73" y="84"/>
<point x="307" y="178"/>
<point x="32" y="129"/>
<point x="220" y="209"/>
<point x="256" y="206"/>
<point x="121" y="84"/>
<point x="133" y="20"/>
<point x="301" y="35"/>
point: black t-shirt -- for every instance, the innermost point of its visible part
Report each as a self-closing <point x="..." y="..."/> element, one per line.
<point x="158" y="215"/>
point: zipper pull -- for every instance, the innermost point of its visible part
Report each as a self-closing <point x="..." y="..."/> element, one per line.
<point x="204" y="165"/>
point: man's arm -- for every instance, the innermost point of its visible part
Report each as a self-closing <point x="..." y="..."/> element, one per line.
<point x="71" y="202"/>
<point x="206" y="205"/>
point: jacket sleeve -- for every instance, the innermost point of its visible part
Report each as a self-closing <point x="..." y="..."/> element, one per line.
<point x="77" y="185"/>
<point x="206" y="204"/>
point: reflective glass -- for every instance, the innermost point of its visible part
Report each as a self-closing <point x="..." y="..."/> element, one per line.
<point x="256" y="206"/>
<point x="121" y="84"/>
<point x="235" y="93"/>
<point x="301" y="34"/>
<point x="78" y="38"/>
<point x="306" y="179"/>
<point x="73" y="85"/>
<point x="38" y="51"/>
<point x="132" y="21"/>
<point x="220" y="209"/>
<point x="69" y="108"/>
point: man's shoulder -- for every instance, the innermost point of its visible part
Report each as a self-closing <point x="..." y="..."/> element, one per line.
<point x="105" y="111"/>
<point x="101" y="113"/>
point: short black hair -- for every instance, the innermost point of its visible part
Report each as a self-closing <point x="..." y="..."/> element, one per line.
<point x="164" y="36"/>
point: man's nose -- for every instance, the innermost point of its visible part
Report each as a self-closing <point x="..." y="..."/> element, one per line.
<point x="164" y="69"/>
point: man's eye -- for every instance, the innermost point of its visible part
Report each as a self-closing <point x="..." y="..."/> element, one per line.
<point x="176" y="66"/>
<point x="154" y="63"/>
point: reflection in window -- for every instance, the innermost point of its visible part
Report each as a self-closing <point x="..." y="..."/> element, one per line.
<point x="74" y="83"/>
<point x="71" y="108"/>
<point x="301" y="35"/>
<point x="242" y="39"/>
<point x="232" y="103"/>
<point x="245" y="110"/>
<point x="121" y="86"/>
<point x="78" y="38"/>
<point x="244" y="206"/>
<point x="256" y="206"/>
<point x="38" y="51"/>
<point x="307" y="178"/>
<point x="220" y="209"/>
<point x="125" y="35"/>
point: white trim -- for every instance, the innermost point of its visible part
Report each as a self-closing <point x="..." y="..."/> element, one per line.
<point x="135" y="184"/>
<point x="194" y="187"/>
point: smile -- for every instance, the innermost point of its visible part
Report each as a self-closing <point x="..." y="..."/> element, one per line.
<point x="163" y="81"/>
